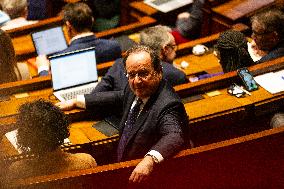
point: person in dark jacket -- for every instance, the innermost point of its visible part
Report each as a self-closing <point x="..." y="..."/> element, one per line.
<point x="160" y="40"/>
<point x="79" y="20"/>
<point x="154" y="125"/>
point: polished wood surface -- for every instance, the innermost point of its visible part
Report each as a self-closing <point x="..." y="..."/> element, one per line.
<point x="241" y="8"/>
<point x="41" y="24"/>
<point x="250" y="161"/>
<point x="228" y="13"/>
<point x="197" y="64"/>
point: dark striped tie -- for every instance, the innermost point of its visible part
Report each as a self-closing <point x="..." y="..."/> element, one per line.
<point x="131" y="119"/>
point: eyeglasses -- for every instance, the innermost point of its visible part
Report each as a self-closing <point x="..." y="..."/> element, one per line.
<point x="144" y="74"/>
<point x="173" y="46"/>
<point x="255" y="33"/>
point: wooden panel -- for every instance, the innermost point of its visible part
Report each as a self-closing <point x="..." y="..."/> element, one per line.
<point x="227" y="14"/>
<point x="243" y="162"/>
<point x="239" y="8"/>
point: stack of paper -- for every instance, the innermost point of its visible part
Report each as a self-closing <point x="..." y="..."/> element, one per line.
<point x="273" y="82"/>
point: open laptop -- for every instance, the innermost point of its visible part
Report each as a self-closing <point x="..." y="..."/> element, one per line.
<point x="49" y="41"/>
<point x="73" y="73"/>
<point x="167" y="5"/>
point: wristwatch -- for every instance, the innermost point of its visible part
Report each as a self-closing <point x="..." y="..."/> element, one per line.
<point x="153" y="157"/>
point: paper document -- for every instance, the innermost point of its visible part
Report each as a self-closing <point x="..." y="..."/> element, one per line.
<point x="167" y="5"/>
<point x="273" y="82"/>
<point x="12" y="137"/>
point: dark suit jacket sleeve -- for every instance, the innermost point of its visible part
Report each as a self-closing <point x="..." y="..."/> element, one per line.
<point x="43" y="73"/>
<point x="103" y="104"/>
<point x="191" y="27"/>
<point x="114" y="79"/>
<point x="172" y="127"/>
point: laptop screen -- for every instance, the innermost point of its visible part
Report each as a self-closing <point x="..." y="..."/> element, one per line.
<point x="73" y="69"/>
<point x="49" y="41"/>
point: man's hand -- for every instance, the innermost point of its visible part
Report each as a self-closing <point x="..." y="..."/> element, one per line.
<point x="142" y="170"/>
<point x="67" y="105"/>
<point x="42" y="61"/>
<point x="183" y="15"/>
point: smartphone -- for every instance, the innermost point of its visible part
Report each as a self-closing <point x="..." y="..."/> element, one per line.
<point x="247" y="79"/>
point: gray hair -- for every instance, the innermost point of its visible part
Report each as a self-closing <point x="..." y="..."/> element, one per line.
<point x="14" y="8"/>
<point x="272" y="20"/>
<point x="155" y="37"/>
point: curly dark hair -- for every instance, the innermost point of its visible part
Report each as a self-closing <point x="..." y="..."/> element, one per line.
<point x="232" y="48"/>
<point x="42" y="127"/>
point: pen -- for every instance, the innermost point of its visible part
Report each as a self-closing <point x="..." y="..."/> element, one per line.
<point x="243" y="90"/>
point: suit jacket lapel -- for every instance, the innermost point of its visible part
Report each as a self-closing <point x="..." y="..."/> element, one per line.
<point x="126" y="111"/>
<point x="144" y="113"/>
<point x="141" y="118"/>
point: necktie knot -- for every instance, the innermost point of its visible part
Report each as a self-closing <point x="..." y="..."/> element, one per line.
<point x="138" y="102"/>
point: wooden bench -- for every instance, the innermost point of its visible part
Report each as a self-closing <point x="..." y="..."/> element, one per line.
<point x="252" y="161"/>
<point x="231" y="12"/>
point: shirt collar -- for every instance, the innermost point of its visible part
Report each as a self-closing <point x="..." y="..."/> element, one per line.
<point x="144" y="100"/>
<point x="85" y="34"/>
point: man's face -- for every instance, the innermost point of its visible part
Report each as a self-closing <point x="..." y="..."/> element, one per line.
<point x="265" y="40"/>
<point x="142" y="78"/>
<point x="169" y="51"/>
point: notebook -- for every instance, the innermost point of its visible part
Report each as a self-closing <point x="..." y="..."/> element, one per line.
<point x="49" y="41"/>
<point x="73" y="73"/>
<point x="167" y="5"/>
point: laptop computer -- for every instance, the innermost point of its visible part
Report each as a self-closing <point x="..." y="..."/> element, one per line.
<point x="49" y="41"/>
<point x="167" y="5"/>
<point x="73" y="73"/>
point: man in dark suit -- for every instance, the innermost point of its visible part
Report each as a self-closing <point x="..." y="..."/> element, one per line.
<point x="158" y="130"/>
<point x="79" y="20"/>
<point x="268" y="33"/>
<point x="162" y="41"/>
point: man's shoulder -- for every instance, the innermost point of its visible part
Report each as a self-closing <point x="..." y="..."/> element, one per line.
<point x="170" y="69"/>
<point x="92" y="39"/>
<point x="276" y="53"/>
<point x="108" y="43"/>
<point x="166" y="95"/>
<point x="173" y="75"/>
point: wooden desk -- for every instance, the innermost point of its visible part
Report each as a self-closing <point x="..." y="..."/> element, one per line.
<point x="224" y="15"/>
<point x="199" y="64"/>
<point x="210" y="109"/>
<point x="242" y="162"/>
<point x="139" y="9"/>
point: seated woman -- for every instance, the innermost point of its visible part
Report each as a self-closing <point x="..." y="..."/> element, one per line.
<point x="42" y="128"/>
<point x="232" y="52"/>
<point x="10" y="70"/>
